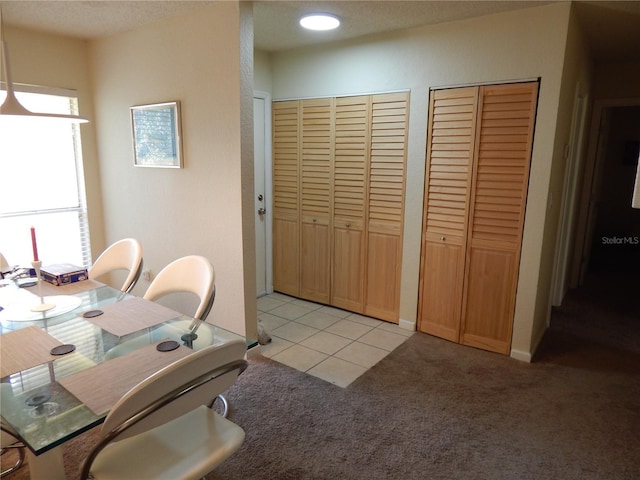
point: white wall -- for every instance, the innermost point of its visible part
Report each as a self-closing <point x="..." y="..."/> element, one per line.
<point x="196" y="59"/>
<point x="524" y="44"/>
<point x="263" y="74"/>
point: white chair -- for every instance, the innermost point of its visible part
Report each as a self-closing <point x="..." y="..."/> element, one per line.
<point x="191" y="274"/>
<point x="8" y="442"/>
<point x="125" y="254"/>
<point x="4" y="265"/>
<point x="163" y="428"/>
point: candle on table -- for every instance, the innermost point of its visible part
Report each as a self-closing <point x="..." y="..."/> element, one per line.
<point x="34" y="244"/>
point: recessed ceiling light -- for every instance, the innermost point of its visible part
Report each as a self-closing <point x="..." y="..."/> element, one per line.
<point x="320" y="21"/>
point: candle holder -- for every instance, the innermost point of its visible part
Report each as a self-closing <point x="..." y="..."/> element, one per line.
<point x="42" y="306"/>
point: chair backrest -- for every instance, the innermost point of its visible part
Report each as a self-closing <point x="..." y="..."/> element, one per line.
<point x="193" y="274"/>
<point x="173" y="391"/>
<point x="125" y="254"/>
<point x="4" y="265"/>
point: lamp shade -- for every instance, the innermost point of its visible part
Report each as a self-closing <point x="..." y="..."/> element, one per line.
<point x="12" y="107"/>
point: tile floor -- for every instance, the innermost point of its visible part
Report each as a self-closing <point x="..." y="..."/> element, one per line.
<point x="332" y="344"/>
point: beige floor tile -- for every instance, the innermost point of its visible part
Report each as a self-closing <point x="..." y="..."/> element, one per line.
<point x="361" y="354"/>
<point x="289" y="311"/>
<point x="336" y="312"/>
<point x="281" y="296"/>
<point x="271" y="322"/>
<point x="299" y="357"/>
<point x="294" y="332"/>
<point x="275" y="346"/>
<point x="318" y="319"/>
<point x="268" y="303"/>
<point x="337" y="371"/>
<point x="346" y="328"/>
<point x="371" y="322"/>
<point x="326" y="342"/>
<point x="382" y="339"/>
<point x="306" y="304"/>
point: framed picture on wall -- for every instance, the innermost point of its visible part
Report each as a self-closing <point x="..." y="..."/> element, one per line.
<point x="157" y="135"/>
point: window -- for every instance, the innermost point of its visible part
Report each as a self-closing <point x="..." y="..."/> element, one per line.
<point x="42" y="183"/>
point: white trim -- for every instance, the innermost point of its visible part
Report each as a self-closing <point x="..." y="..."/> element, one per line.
<point x="407" y="324"/>
<point x="635" y="200"/>
<point x="521" y="355"/>
<point x="481" y="84"/>
<point x="575" y="160"/>
<point x="23" y="87"/>
<point x="268" y="185"/>
<point x="343" y="95"/>
<point x="253" y="351"/>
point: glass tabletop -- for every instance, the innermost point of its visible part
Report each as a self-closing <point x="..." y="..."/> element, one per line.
<point x="35" y="402"/>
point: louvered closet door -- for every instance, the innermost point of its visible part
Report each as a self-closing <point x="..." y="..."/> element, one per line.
<point x="352" y="126"/>
<point x="285" y="197"/>
<point x="450" y="149"/>
<point x="505" y="125"/>
<point x="385" y="209"/>
<point x="315" y="198"/>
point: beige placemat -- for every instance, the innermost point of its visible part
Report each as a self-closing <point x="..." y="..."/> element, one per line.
<point x="68" y="289"/>
<point x="100" y="387"/>
<point x="132" y="315"/>
<point x="25" y="348"/>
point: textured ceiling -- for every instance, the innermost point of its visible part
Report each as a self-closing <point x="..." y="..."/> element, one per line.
<point x="613" y="27"/>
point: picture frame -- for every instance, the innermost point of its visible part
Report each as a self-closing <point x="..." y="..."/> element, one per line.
<point x="157" y="135"/>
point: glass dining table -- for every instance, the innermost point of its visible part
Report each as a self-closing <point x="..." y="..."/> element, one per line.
<point x="64" y="368"/>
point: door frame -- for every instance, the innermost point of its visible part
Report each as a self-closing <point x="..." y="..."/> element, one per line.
<point x="568" y="210"/>
<point x="591" y="186"/>
<point x="268" y="188"/>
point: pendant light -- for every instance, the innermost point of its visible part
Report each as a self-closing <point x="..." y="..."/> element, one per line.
<point x="11" y="106"/>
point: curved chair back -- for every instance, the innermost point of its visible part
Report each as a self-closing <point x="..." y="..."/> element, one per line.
<point x="125" y="254"/>
<point x="4" y="265"/>
<point x="171" y="393"/>
<point x="193" y="274"/>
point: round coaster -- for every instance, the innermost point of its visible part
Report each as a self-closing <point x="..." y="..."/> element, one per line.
<point x="92" y="313"/>
<point x="63" y="349"/>
<point x="27" y="284"/>
<point x="167" y="346"/>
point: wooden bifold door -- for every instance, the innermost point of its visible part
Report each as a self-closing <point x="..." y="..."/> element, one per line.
<point x="338" y="183"/>
<point x="478" y="155"/>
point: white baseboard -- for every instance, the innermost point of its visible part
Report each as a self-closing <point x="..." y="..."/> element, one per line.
<point x="252" y="352"/>
<point x="521" y="355"/>
<point x="407" y="325"/>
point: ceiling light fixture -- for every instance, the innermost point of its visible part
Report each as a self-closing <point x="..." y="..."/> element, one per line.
<point x="320" y="21"/>
<point x="11" y="106"/>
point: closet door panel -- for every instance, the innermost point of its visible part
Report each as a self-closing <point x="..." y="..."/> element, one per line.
<point x="285" y="256"/>
<point x="506" y="120"/>
<point x="352" y="139"/>
<point x="383" y="267"/>
<point x="286" y="200"/>
<point x="488" y="321"/>
<point x="316" y="170"/>
<point x="450" y="151"/>
<point x="314" y="271"/>
<point x="385" y="209"/>
<point x="442" y="287"/>
<point x="348" y="267"/>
